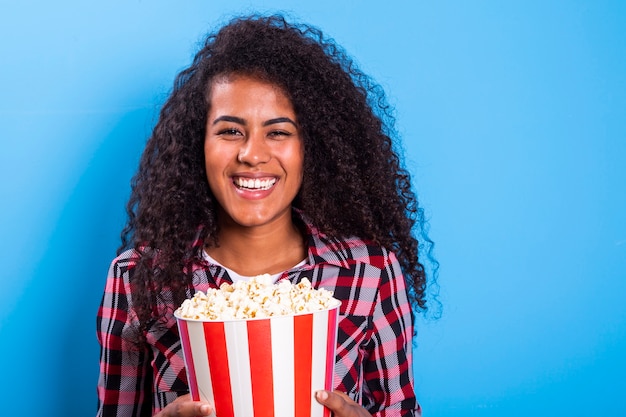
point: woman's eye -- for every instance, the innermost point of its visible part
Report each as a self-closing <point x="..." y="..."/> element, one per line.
<point x="279" y="134"/>
<point x="231" y="131"/>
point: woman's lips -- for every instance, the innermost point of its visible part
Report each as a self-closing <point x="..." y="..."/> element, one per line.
<point x="254" y="188"/>
<point x="254" y="184"/>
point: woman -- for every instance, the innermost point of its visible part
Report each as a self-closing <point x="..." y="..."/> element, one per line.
<point x="273" y="154"/>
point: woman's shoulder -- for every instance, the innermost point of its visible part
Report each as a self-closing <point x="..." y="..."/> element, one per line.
<point x="345" y="251"/>
<point x="128" y="259"/>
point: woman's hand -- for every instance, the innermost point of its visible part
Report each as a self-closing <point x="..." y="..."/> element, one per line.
<point x="184" y="406"/>
<point x="340" y="404"/>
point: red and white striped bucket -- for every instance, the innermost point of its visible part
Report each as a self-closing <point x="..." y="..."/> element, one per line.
<point x="261" y="367"/>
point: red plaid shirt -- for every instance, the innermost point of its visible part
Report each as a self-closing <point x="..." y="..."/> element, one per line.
<point x="373" y="362"/>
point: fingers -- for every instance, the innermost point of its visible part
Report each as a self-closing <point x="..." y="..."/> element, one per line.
<point x="185" y="407"/>
<point x="340" y="404"/>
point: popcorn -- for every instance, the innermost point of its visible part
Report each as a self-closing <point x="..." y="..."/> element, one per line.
<point x="256" y="298"/>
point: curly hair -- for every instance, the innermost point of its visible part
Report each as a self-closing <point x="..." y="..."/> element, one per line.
<point x="353" y="185"/>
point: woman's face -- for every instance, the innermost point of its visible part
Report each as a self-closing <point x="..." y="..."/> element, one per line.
<point x="253" y="151"/>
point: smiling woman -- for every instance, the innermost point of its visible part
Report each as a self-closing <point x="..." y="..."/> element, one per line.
<point x="253" y="151"/>
<point x="268" y="158"/>
<point x="254" y="161"/>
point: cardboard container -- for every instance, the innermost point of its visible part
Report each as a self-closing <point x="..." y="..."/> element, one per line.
<point x="261" y="367"/>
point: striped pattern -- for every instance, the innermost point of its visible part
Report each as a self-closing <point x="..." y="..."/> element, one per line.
<point x="261" y="368"/>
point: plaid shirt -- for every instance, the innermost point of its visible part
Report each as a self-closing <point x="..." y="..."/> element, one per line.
<point x="373" y="362"/>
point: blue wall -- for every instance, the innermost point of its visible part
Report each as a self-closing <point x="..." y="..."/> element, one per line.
<point x="514" y="123"/>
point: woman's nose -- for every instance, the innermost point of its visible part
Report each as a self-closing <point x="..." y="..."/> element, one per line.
<point x="254" y="150"/>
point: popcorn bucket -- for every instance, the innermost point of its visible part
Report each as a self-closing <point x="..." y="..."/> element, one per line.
<point x="261" y="367"/>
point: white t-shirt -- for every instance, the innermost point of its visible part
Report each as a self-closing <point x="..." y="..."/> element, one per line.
<point x="238" y="277"/>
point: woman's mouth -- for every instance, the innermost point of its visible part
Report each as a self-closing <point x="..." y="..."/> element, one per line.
<point x="254" y="184"/>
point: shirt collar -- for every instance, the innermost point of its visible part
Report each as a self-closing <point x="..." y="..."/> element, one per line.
<point x="324" y="249"/>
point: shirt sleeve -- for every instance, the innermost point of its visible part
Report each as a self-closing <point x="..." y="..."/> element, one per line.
<point x="125" y="380"/>
<point x="388" y="370"/>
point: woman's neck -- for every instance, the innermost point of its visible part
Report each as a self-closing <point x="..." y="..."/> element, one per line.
<point x="253" y="251"/>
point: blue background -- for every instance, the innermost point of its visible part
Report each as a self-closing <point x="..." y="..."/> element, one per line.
<point x="513" y="121"/>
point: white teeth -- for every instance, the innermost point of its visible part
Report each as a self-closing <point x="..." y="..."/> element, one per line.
<point x="255" y="184"/>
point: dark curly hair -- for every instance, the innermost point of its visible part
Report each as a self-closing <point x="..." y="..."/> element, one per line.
<point x="353" y="185"/>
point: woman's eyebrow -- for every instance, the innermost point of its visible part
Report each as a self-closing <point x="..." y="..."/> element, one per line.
<point x="233" y="119"/>
<point x="279" y="120"/>
<point x="239" y="120"/>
